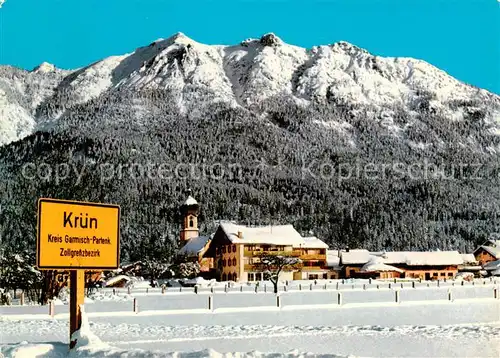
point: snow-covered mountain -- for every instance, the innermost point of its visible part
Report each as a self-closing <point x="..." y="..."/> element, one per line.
<point x="241" y="75"/>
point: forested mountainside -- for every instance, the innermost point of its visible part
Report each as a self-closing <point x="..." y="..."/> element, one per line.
<point x="382" y="170"/>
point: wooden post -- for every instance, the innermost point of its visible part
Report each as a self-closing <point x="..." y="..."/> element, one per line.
<point x="147" y="290"/>
<point x="196" y="289"/>
<point x="225" y="288"/>
<point x="396" y="296"/>
<point x="495" y="293"/>
<point x="402" y="285"/>
<point x="395" y="280"/>
<point x="450" y="295"/>
<point x="300" y="287"/>
<point x="265" y="288"/>
<point x="438" y="284"/>
<point x="285" y="288"/>
<point x="210" y="303"/>
<point x="136" y="306"/>
<point x="463" y="282"/>
<point x="76" y="298"/>
<point x="390" y="286"/>
<point x="211" y="289"/>
<point x="339" y="298"/>
<point x="324" y="287"/>
<point x="378" y="287"/>
<point x="163" y="289"/>
<point x="51" y="309"/>
<point x="370" y="281"/>
<point x="413" y="284"/>
<point x="180" y="289"/>
<point x="337" y="285"/>
<point x="241" y="288"/>
<point x="364" y="286"/>
<point x="114" y="291"/>
<point x="128" y="290"/>
<point x="22" y="298"/>
<point x="278" y="301"/>
<point x="311" y="287"/>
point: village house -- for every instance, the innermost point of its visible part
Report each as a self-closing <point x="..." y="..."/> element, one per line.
<point x="431" y="265"/>
<point x="233" y="252"/>
<point x="489" y="251"/>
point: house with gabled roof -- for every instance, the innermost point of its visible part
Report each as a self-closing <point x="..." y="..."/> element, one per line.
<point x="489" y="251"/>
<point x="232" y="252"/>
<point x="426" y="265"/>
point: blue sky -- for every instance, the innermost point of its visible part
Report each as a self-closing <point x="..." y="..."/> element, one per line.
<point x="460" y="36"/>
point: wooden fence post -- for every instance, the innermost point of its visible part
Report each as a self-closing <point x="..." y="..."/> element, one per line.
<point x="136" y="306"/>
<point x="241" y="288"/>
<point x="396" y="296"/>
<point x="413" y="284"/>
<point x="163" y="289"/>
<point x="495" y="293"/>
<point x="256" y="288"/>
<point x="337" y="285"/>
<point x="22" y="298"/>
<point x="311" y="287"/>
<point x="114" y="292"/>
<point x="339" y="298"/>
<point x="450" y="296"/>
<point x="51" y="309"/>
<point x="210" y="303"/>
<point x="196" y="289"/>
<point x="278" y="301"/>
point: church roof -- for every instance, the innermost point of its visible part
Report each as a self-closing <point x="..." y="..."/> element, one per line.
<point x="194" y="246"/>
<point x="190" y="201"/>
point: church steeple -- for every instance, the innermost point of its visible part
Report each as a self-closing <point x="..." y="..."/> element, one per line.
<point x="189" y="211"/>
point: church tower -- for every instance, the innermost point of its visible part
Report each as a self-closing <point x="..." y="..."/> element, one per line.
<point x="189" y="211"/>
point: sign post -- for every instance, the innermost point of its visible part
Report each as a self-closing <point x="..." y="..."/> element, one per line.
<point x="77" y="236"/>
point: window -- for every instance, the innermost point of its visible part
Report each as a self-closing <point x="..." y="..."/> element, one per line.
<point x="234" y="248"/>
<point x="224" y="277"/>
<point x="234" y="262"/>
<point x="229" y="262"/>
<point x="450" y="274"/>
<point x="325" y="276"/>
<point x="435" y="274"/>
<point x="258" y="276"/>
<point x="224" y="263"/>
<point x="443" y="273"/>
<point x="223" y="249"/>
<point x="251" y="277"/>
<point x="191" y="222"/>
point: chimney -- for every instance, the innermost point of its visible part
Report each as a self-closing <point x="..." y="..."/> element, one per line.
<point x="240" y="235"/>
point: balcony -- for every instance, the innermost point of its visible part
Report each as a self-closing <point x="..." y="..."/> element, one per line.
<point x="313" y="268"/>
<point x="294" y="253"/>
<point x="319" y="257"/>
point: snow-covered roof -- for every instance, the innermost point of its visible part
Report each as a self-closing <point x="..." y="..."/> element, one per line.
<point x="411" y="258"/>
<point x="360" y="256"/>
<point x="332" y="259"/>
<point x="376" y="264"/>
<point x="190" y="201"/>
<point x="468" y="258"/>
<point x="285" y="235"/>
<point x="113" y="280"/>
<point x="427" y="258"/>
<point x="194" y="246"/>
<point x="493" y="251"/>
<point x="491" y="266"/>
<point x="313" y="242"/>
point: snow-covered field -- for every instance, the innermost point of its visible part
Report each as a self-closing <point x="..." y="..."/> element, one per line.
<point x="369" y="323"/>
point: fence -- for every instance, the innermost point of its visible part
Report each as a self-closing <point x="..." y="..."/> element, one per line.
<point x="315" y="295"/>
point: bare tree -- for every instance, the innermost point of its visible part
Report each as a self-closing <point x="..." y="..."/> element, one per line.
<point x="272" y="264"/>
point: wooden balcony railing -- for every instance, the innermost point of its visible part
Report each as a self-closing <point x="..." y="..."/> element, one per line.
<point x="294" y="253"/>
